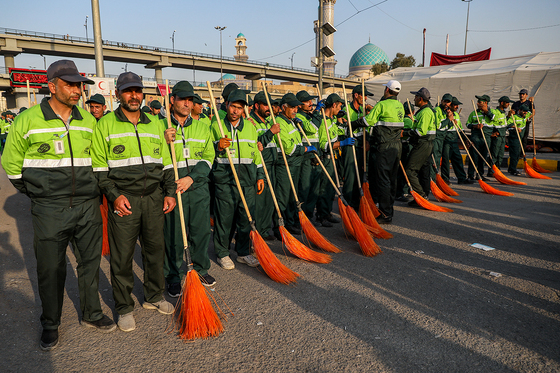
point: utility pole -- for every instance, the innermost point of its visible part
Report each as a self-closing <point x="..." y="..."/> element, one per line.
<point x="173" y="40"/>
<point x="221" y="63"/>
<point x="97" y="41"/>
<point x="292" y="58"/>
<point x="424" y="49"/>
<point x="320" y="54"/>
<point x="467" y="26"/>
<point x="85" y="25"/>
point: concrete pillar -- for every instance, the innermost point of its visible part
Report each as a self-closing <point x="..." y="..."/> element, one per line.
<point x="159" y="75"/>
<point x="9" y="61"/>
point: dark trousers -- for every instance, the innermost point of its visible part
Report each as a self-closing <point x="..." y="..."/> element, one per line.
<point x="284" y="193"/>
<point x="402" y="186"/>
<point x="514" y="153"/>
<point x="386" y="169"/>
<point x="326" y="190"/>
<point x="350" y="189"/>
<point x="309" y="184"/>
<point x="264" y="209"/>
<point x="418" y="167"/>
<point x="438" y="151"/>
<point x="53" y="228"/>
<point x="497" y="148"/>
<point x="452" y="153"/>
<point x="479" y="142"/>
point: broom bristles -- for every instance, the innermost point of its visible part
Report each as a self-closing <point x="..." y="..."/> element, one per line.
<point x="314" y="236"/>
<point x="302" y="251"/>
<point x="369" y="220"/>
<point x="441" y="196"/>
<point x="367" y="193"/>
<point x="498" y="175"/>
<point x="444" y="187"/>
<point x="366" y="242"/>
<point x="491" y="190"/>
<point x="345" y="219"/>
<point x="270" y="263"/>
<point x="532" y="173"/>
<point x="428" y="205"/>
<point x="537" y="167"/>
<point x="106" y="250"/>
<point x="196" y="317"/>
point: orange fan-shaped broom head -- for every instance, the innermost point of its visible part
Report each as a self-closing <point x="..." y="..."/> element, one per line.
<point x="428" y="205"/>
<point x="532" y="173"/>
<point x="345" y="218"/>
<point x="314" y="236"/>
<point x="368" y="219"/>
<point x="302" y="251"/>
<point x="104" y="212"/>
<point x="270" y="263"/>
<point x="440" y="196"/>
<point x="498" y="175"/>
<point x="537" y="167"/>
<point x="444" y="187"/>
<point x="196" y="318"/>
<point x="491" y="190"/>
<point x="367" y="244"/>
<point x="367" y="193"/>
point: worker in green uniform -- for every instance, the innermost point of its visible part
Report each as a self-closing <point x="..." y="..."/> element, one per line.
<point x="222" y="111"/>
<point x="47" y="157"/>
<point x="333" y="104"/>
<point x="197" y="112"/>
<point x="386" y="121"/>
<point x="498" y="137"/>
<point x="132" y="163"/>
<point x="266" y="130"/>
<point x="451" y="150"/>
<point x="97" y="105"/>
<point x="294" y="150"/>
<point x="441" y="131"/>
<point x="155" y="109"/>
<point x="481" y="126"/>
<point x="402" y="186"/>
<point x="518" y="120"/>
<point x="194" y="151"/>
<point x="229" y="214"/>
<point x="421" y="136"/>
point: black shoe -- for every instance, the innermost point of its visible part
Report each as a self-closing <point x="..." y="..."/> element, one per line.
<point x="403" y="198"/>
<point x="317" y="223"/>
<point x="278" y="236"/>
<point x="472" y="178"/>
<point x="382" y="220"/>
<point x="413" y="203"/>
<point x="174" y="290"/>
<point x="325" y="223"/>
<point x="49" y="339"/>
<point x="294" y="230"/>
<point x="484" y="178"/>
<point x="332" y="219"/>
<point x="104" y="324"/>
<point x="447" y="182"/>
<point x="269" y="238"/>
<point x="490" y="174"/>
<point x="516" y="173"/>
<point x="466" y="181"/>
<point x="207" y="280"/>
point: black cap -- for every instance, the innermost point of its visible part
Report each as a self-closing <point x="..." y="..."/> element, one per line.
<point x="67" y="71"/>
<point x="447" y="97"/>
<point x="333" y="97"/>
<point x="21" y="110"/>
<point x="290" y="99"/>
<point x="525" y="107"/>
<point x="145" y="109"/>
<point x="524" y="91"/>
<point x="198" y="100"/>
<point x="483" y="98"/>
<point x="261" y="98"/>
<point x="238" y="95"/>
<point x="127" y="80"/>
<point x="155" y="104"/>
<point x="9" y="112"/>
<point x="276" y="101"/>
<point x="455" y="101"/>
<point x="358" y="89"/>
<point x="96" y="99"/>
<point x="422" y="92"/>
<point x="505" y="99"/>
<point x="304" y="96"/>
<point x="183" y="89"/>
<point x="250" y="101"/>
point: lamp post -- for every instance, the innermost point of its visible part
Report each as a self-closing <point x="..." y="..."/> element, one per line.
<point x="173" y="40"/>
<point x="85" y="25"/>
<point x="467" y="26"/>
<point x="44" y="61"/>
<point x="221" y="70"/>
<point x="292" y="59"/>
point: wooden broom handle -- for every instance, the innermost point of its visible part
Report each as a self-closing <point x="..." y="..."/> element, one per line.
<point x="111" y="98"/>
<point x="465" y="146"/>
<point x="405" y="175"/>
<point x="329" y="141"/>
<point x="352" y="136"/>
<point x="364" y="130"/>
<point x="519" y="137"/>
<point x="482" y="132"/>
<point x="474" y="147"/>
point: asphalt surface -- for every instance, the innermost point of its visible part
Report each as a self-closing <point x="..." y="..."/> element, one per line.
<point x="429" y="303"/>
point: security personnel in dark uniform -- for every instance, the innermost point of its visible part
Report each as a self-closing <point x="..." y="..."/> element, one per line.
<point x="47" y="157"/>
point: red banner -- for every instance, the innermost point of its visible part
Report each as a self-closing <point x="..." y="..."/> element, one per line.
<point x="443" y="59"/>
<point x="19" y="78"/>
<point x="162" y="89"/>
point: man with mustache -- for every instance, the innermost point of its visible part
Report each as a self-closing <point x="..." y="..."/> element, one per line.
<point x="132" y="163"/>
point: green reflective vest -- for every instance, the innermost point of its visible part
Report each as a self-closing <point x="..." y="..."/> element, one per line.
<point x="265" y="137"/>
<point x="290" y="136"/>
<point x="387" y="120"/>
<point x="332" y="131"/>
<point x="519" y="122"/>
<point x="424" y="123"/>
<point x="485" y="119"/>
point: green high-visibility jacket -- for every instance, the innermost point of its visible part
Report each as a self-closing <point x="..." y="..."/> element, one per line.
<point x="333" y="133"/>
<point x="520" y="122"/>
<point x="354" y="114"/>
<point x="386" y="118"/>
<point x="424" y="123"/>
<point x="310" y="125"/>
<point x="48" y="159"/>
<point x="129" y="159"/>
<point x="204" y="119"/>
<point x="451" y="131"/>
<point x="243" y="150"/>
<point x="440" y="118"/>
<point x="194" y="141"/>
<point x="290" y="136"/>
<point x="265" y="137"/>
<point x="500" y="122"/>
<point x="485" y="119"/>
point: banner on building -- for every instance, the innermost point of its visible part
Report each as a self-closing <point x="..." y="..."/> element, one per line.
<point x="102" y="86"/>
<point x="444" y="59"/>
<point x="19" y="78"/>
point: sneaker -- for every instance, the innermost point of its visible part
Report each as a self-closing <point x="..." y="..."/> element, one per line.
<point x="126" y="322"/>
<point x="382" y="220"/>
<point x="325" y="223"/>
<point x="162" y="306"/>
<point x="226" y="262"/>
<point x="332" y="219"/>
<point x="293" y="230"/>
<point x="207" y="280"/>
<point x="174" y="290"/>
<point x="250" y="260"/>
<point x="49" y="339"/>
<point x="104" y="324"/>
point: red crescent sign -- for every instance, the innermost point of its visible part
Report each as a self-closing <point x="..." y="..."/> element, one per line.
<point x="102" y="85"/>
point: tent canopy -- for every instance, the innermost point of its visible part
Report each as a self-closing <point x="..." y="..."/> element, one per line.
<point x="538" y="73"/>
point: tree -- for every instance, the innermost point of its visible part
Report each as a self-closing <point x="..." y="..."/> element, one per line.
<point x="401" y="61"/>
<point x="379" y="68"/>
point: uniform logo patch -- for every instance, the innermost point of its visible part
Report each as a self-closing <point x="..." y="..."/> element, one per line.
<point x="118" y="149"/>
<point x="44" y="148"/>
<point x="156" y="151"/>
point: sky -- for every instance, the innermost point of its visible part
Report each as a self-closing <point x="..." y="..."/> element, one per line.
<point x="275" y="32"/>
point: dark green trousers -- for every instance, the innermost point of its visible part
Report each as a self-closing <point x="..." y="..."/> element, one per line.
<point x="230" y="216"/>
<point x="309" y="184"/>
<point x="497" y="149"/>
<point x="350" y="189"/>
<point x="53" y="228"/>
<point x="284" y="194"/>
<point x="418" y="167"/>
<point x="514" y="152"/>
<point x="479" y="142"/>
<point x="452" y="153"/>
<point x="326" y="190"/>
<point x="402" y="186"/>
<point x="145" y="222"/>
<point x="386" y="167"/>
<point x="196" y="210"/>
<point x="437" y="151"/>
<point x="264" y="208"/>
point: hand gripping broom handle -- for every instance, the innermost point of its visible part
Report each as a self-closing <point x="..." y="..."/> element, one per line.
<point x="519" y="137"/>
<point x="174" y="159"/>
<point x="282" y="149"/>
<point x="364" y="130"/>
<point x="352" y="135"/>
<point x="482" y="132"/>
<point x="465" y="146"/>
<point x="229" y="158"/>
<point x="329" y="142"/>
<point x="474" y="147"/>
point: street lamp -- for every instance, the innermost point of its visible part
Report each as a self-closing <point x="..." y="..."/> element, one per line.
<point x="467" y="26"/>
<point x="173" y="40"/>
<point x="85" y="25"/>
<point x="292" y="58"/>
<point x="44" y="61"/>
<point x="125" y="68"/>
<point x="221" y="69"/>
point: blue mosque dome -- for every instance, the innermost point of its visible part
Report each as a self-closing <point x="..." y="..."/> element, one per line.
<point x="368" y="55"/>
<point x="240" y="35"/>
<point x="228" y="77"/>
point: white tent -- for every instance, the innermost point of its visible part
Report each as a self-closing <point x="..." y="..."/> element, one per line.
<point x="538" y="73"/>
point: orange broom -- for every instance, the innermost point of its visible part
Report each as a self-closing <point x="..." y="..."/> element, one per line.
<point x="441" y="184"/>
<point x="308" y="228"/>
<point x="536" y="165"/>
<point x="528" y="170"/>
<point x="366" y="213"/>
<point x="269" y="262"/>
<point x="421" y="200"/>
<point x="196" y="316"/>
<point x="350" y="218"/>
<point x="104" y="211"/>
<point x="441" y="196"/>
<point x="485" y="187"/>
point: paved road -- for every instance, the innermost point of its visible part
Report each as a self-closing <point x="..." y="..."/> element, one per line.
<point x="429" y="303"/>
